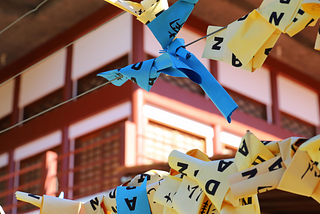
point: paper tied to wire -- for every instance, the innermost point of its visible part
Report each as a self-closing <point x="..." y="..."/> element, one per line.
<point x="175" y="60"/>
<point x="198" y="185"/>
<point x="246" y="42"/>
<point x="178" y="62"/>
<point x="145" y="11"/>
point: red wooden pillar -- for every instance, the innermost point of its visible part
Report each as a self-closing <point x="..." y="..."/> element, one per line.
<point x="214" y="69"/>
<point x="276" y="117"/>
<point x="318" y="127"/>
<point x="13" y="120"/>
<point x="137" y="55"/>
<point x="217" y="145"/>
<point x="65" y="142"/>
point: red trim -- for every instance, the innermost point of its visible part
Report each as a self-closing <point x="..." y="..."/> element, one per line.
<point x="276" y="117"/>
<point x="138" y="54"/>
<point x="108" y="97"/>
<point x="214" y="69"/>
<point x="65" y="149"/>
<point x="61" y="40"/>
<point x="217" y="145"/>
<point x="10" y="184"/>
<point x="318" y="127"/>
<point x="15" y="106"/>
<point x="67" y="90"/>
<point x="196" y="25"/>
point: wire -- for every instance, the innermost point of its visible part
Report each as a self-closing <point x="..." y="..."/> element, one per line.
<point x="214" y="32"/>
<point x="58" y="105"/>
<point x="31" y="11"/>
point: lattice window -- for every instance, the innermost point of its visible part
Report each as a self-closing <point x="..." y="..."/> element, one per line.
<point x="160" y="141"/>
<point x="42" y="104"/>
<point x="92" y="80"/>
<point x="34" y="172"/>
<point x="5" y="122"/>
<point x="31" y="181"/>
<point x="97" y="156"/>
<point x="183" y="82"/>
<point x="298" y="126"/>
<point x="3" y="185"/>
<point x="248" y="105"/>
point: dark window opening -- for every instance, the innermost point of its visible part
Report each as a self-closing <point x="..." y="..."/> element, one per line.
<point x="248" y="105"/>
<point x="298" y="126"/>
<point x="92" y="80"/>
<point x="43" y="104"/>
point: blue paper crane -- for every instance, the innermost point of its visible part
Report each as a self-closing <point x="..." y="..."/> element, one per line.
<point x="175" y="61"/>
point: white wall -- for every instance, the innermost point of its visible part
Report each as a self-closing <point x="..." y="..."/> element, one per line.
<point x="255" y="85"/>
<point x="298" y="101"/>
<point x="37" y="146"/>
<point x="230" y="139"/>
<point x="102" y="46"/>
<point x="4" y="159"/>
<point x="152" y="46"/>
<point x="6" y="97"/>
<point x="100" y="120"/>
<point x="43" y="78"/>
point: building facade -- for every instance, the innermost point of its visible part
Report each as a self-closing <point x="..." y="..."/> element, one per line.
<point x="91" y="143"/>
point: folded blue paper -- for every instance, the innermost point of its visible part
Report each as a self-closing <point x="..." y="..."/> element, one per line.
<point x="179" y="62"/>
<point x="175" y="60"/>
<point x="166" y="25"/>
<point x="133" y="199"/>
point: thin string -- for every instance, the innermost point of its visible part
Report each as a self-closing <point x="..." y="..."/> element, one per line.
<point x="214" y="32"/>
<point x="60" y="104"/>
<point x="31" y="11"/>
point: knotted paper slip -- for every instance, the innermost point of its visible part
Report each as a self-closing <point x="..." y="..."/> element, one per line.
<point x="174" y="61"/>
<point x="247" y="42"/>
<point x="196" y="184"/>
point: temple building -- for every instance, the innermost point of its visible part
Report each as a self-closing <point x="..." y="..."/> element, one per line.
<point x="111" y="133"/>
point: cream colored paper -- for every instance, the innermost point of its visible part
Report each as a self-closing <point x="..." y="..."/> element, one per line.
<point x="253" y="34"/>
<point x="260" y="178"/>
<point x="280" y="13"/>
<point x="152" y="176"/>
<point x="312" y="7"/>
<point x="166" y="191"/>
<point x="189" y="197"/>
<point x="29" y="198"/>
<point x="145" y="11"/>
<point x="1" y="210"/>
<point x="54" y="205"/>
<point x="110" y="200"/>
<point x="155" y="207"/>
<point x="302" y="175"/>
<point x="211" y="176"/>
<point x="317" y="44"/>
<point x="312" y="147"/>
<point x="251" y="152"/>
<point x="316" y="193"/>
<point x="288" y="149"/>
<point x="93" y="206"/>
<point x="300" y="21"/>
<point x="216" y="47"/>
